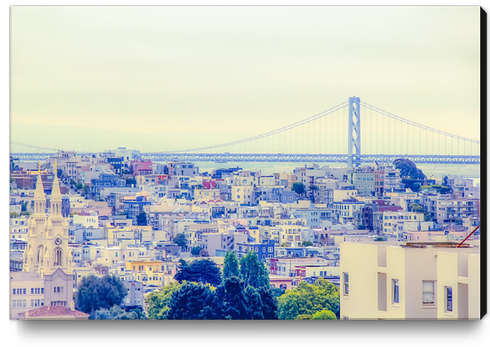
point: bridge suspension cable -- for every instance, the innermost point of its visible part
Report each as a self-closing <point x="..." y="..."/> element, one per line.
<point x="270" y="133"/>
<point x="398" y="118"/>
<point x="31" y="146"/>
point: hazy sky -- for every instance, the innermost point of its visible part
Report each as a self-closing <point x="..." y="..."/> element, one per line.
<point x="170" y="78"/>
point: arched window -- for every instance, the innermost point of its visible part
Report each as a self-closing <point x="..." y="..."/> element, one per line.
<point x="57" y="256"/>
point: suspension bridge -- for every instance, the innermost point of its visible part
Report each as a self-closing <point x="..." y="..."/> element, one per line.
<point x="321" y="138"/>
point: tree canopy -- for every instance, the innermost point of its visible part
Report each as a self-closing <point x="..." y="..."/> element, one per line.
<point x="117" y="313"/>
<point x="180" y="240"/>
<point x="194" y="301"/>
<point x="195" y="251"/>
<point x="230" y="266"/>
<point x="408" y="169"/>
<point x="324" y="315"/>
<point x="308" y="299"/>
<point x="202" y="271"/>
<point x="159" y="301"/>
<point x="298" y="188"/>
<point x="440" y="189"/>
<point x="141" y="219"/>
<point x="253" y="271"/>
<point x="96" y="293"/>
<point x="243" y="292"/>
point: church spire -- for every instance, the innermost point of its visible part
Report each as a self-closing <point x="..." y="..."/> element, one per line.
<point x="56" y="194"/>
<point x="39" y="193"/>
<point x="39" y="196"/>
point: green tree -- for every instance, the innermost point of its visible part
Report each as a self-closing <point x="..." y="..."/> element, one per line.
<point x="141" y="219"/>
<point x="85" y="190"/>
<point x="309" y="299"/>
<point x="158" y="301"/>
<point x="254" y="303"/>
<point x="253" y="271"/>
<point x="234" y="303"/>
<point x="14" y="214"/>
<point x="324" y="315"/>
<point x="25" y="213"/>
<point x="117" y="313"/>
<point x="408" y="169"/>
<point x="298" y="188"/>
<point x="79" y="185"/>
<point x="304" y="317"/>
<point x="277" y="292"/>
<point x="269" y="302"/>
<point x="180" y="240"/>
<point x="194" y="301"/>
<point x="230" y="266"/>
<point x="203" y="271"/>
<point x="60" y="173"/>
<point x="306" y="243"/>
<point x="95" y="293"/>
<point x="195" y="251"/>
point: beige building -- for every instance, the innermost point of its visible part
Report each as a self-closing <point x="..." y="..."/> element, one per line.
<point x="384" y="280"/>
<point x="47" y="276"/>
<point x="242" y="194"/>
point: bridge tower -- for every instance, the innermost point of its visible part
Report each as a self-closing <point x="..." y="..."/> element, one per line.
<point x="354" y="135"/>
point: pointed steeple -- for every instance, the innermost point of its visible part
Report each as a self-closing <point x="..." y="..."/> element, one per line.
<point x="39" y="196"/>
<point x="55" y="192"/>
<point x="56" y="195"/>
<point x="39" y="193"/>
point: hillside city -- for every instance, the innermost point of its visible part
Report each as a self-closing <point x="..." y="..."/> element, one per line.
<point x="112" y="236"/>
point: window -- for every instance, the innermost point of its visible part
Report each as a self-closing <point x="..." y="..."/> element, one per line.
<point x="42" y="290"/>
<point x="395" y="284"/>
<point x="346" y="283"/>
<point x="428" y="294"/>
<point x="449" y="298"/>
<point x="24" y="292"/>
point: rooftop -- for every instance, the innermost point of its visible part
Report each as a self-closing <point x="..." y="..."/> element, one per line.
<point x="52" y="311"/>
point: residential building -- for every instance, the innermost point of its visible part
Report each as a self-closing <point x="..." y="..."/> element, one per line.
<point x="383" y="280"/>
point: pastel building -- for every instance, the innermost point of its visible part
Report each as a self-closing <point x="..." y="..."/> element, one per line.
<point x="389" y="280"/>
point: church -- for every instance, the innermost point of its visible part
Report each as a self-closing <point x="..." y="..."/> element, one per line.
<point x="47" y="277"/>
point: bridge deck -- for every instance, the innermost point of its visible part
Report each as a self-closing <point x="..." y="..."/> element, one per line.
<point x="280" y="157"/>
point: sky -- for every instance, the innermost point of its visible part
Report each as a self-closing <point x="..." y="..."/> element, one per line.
<point x="173" y="78"/>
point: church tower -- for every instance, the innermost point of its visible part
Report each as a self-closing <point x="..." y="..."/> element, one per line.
<point x="56" y="252"/>
<point x="47" y="255"/>
<point x="33" y="256"/>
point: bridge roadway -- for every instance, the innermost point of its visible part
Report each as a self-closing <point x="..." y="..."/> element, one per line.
<point x="280" y="157"/>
